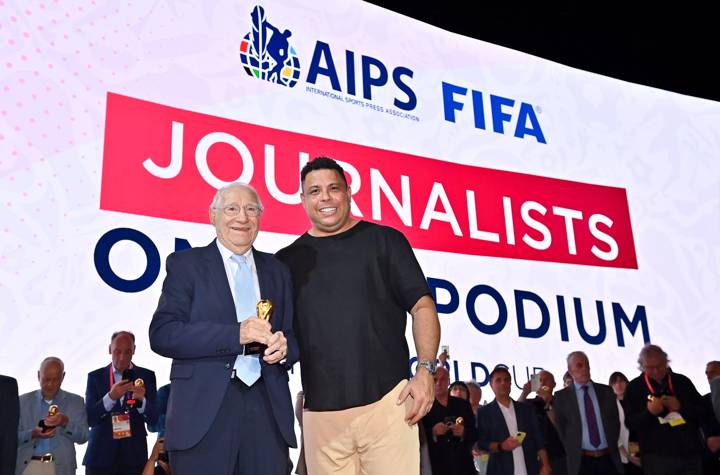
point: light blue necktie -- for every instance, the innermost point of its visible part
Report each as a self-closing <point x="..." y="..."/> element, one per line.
<point x="247" y="368"/>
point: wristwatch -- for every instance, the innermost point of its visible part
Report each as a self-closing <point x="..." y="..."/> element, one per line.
<point x="428" y="365"/>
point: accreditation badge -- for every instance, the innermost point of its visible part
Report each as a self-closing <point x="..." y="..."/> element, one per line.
<point x="121" y="425"/>
<point x="675" y="419"/>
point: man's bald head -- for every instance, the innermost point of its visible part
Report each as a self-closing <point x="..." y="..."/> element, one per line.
<point x="50" y="377"/>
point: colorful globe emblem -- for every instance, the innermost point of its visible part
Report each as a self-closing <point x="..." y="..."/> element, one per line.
<point x="266" y="53"/>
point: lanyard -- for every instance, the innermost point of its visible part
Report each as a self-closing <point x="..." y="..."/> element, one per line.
<point x="112" y="375"/>
<point x="670" y="384"/>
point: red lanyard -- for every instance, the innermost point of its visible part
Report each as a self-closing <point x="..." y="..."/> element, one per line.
<point x="670" y="384"/>
<point x="112" y="374"/>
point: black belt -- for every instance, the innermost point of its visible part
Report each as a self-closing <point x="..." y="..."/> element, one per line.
<point x="47" y="458"/>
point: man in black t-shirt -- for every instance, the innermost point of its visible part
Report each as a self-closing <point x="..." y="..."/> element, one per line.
<point x="354" y="283"/>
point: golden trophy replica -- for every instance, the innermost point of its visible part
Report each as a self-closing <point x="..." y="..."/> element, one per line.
<point x="264" y="311"/>
<point x="138" y="383"/>
<point x="52" y="410"/>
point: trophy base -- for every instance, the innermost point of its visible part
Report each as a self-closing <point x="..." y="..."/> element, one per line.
<point x="45" y="427"/>
<point x="254" y="349"/>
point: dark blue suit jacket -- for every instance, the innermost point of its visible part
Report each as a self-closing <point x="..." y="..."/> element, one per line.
<point x="196" y="325"/>
<point x="492" y="428"/>
<point x="103" y="451"/>
<point x="9" y="417"/>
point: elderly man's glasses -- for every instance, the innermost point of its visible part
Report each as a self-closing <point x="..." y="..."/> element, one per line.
<point x="251" y="211"/>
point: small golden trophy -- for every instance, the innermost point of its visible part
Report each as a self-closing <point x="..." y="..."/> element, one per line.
<point x="138" y="383"/>
<point x="264" y="312"/>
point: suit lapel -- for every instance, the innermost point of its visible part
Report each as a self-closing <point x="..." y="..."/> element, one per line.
<point x="501" y="419"/>
<point x="215" y="271"/>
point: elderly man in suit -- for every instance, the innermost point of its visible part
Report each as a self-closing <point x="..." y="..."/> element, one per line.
<point x="118" y="406"/>
<point x="9" y="415"/>
<point x="587" y="420"/>
<point x="46" y="442"/>
<point x="509" y="432"/>
<point x="230" y="410"/>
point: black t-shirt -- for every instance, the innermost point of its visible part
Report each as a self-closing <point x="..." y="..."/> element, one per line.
<point x="352" y="294"/>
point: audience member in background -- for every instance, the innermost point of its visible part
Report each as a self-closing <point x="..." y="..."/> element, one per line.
<point x="712" y="371"/>
<point x="509" y="432"/>
<point x="118" y="406"/>
<point x="460" y="390"/>
<point x="587" y="420"/>
<point x="618" y="382"/>
<point x="9" y="415"/>
<point x="665" y="409"/>
<point x="163" y="394"/>
<point x="450" y="430"/>
<point x="710" y="425"/>
<point x="543" y="404"/>
<point x="47" y="442"/>
<point x="567" y="379"/>
<point x="158" y="463"/>
<point x="475" y="395"/>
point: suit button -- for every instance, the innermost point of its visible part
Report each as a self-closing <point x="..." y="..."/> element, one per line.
<point x="227" y="365"/>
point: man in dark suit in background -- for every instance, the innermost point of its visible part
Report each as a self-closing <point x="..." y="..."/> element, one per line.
<point x="118" y="407"/>
<point x="499" y="426"/>
<point x="9" y="417"/>
<point x="587" y="420"/>
<point x="229" y="412"/>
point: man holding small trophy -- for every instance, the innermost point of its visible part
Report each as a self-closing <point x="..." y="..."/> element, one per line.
<point x="225" y="317"/>
<point x="120" y="399"/>
<point x="52" y="421"/>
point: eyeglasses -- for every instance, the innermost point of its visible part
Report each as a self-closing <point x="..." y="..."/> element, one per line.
<point x="251" y="211"/>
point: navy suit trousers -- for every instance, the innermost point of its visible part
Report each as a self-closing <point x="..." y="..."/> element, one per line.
<point x="243" y="438"/>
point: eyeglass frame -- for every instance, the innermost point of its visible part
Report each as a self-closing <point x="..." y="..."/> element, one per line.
<point x="248" y="213"/>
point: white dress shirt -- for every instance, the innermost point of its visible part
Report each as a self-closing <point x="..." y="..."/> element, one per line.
<point x="517" y="453"/>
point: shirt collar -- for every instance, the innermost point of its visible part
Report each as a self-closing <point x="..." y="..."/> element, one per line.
<point x="508" y="408"/>
<point x="578" y="387"/>
<point x="117" y="371"/>
<point x="227" y="254"/>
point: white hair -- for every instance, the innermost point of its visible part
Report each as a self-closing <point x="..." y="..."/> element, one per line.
<point x="220" y="194"/>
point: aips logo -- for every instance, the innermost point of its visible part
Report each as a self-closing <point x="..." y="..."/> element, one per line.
<point x="266" y="53"/>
